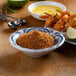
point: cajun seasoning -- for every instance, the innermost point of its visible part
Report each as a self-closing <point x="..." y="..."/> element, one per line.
<point x="36" y="40"/>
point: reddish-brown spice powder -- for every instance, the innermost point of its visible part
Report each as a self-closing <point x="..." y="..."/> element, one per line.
<point x="36" y="40"/>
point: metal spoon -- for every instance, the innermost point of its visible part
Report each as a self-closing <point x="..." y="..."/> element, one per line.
<point x="12" y="24"/>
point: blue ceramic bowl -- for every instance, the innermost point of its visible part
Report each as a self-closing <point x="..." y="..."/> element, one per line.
<point x="37" y="52"/>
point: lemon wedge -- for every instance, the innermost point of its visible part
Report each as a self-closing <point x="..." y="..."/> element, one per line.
<point x="71" y="33"/>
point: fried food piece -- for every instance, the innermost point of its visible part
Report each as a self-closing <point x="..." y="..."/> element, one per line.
<point x="66" y="13"/>
<point x="61" y="21"/>
<point x="72" y="21"/>
<point x="60" y="25"/>
<point x="49" y="21"/>
<point x="52" y="19"/>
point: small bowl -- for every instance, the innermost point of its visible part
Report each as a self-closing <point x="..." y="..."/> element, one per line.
<point x="33" y="5"/>
<point x="37" y="52"/>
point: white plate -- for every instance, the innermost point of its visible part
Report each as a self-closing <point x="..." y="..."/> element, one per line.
<point x="66" y="39"/>
<point x="74" y="43"/>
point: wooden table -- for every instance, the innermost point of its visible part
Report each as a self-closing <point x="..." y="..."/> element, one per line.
<point x="61" y="62"/>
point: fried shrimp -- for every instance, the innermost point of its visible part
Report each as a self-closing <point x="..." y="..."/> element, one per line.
<point x="65" y="13"/>
<point x="61" y="21"/>
<point x="52" y="19"/>
<point x="72" y="21"/>
<point x="60" y="25"/>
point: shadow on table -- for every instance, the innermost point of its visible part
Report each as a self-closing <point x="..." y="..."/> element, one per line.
<point x="21" y="63"/>
<point x="68" y="50"/>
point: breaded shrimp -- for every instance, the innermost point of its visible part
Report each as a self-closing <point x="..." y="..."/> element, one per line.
<point x="52" y="19"/>
<point x="66" y="13"/>
<point x="61" y="21"/>
<point x="60" y="25"/>
<point x="72" y="21"/>
<point x="48" y="21"/>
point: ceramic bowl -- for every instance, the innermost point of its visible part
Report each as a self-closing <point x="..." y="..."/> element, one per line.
<point x="37" y="52"/>
<point x="33" y="5"/>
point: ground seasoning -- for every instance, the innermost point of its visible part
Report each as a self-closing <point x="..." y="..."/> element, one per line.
<point x="36" y="40"/>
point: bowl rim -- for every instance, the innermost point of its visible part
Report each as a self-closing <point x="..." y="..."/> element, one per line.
<point x="45" y="1"/>
<point x="36" y="50"/>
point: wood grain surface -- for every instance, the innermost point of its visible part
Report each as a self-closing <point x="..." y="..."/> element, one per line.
<point x="61" y="62"/>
